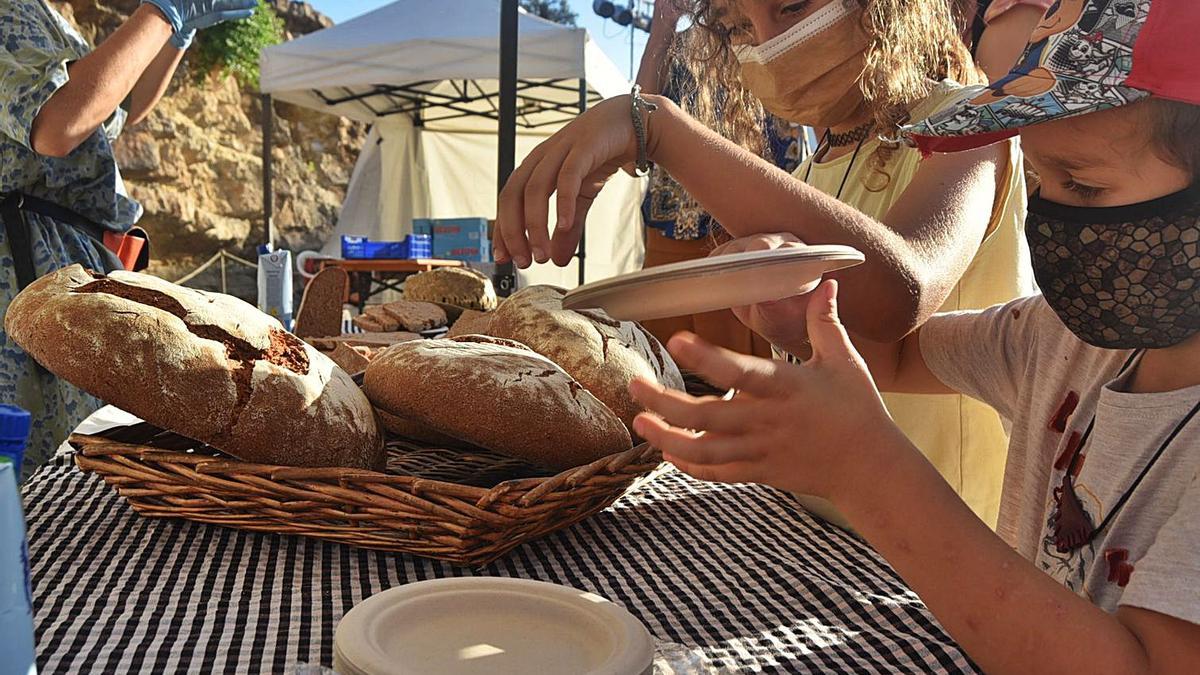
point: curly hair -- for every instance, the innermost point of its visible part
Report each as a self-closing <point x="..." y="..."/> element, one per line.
<point x="913" y="44"/>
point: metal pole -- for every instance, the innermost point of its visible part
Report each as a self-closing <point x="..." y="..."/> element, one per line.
<point x="506" y="279"/>
<point x="268" y="138"/>
<point x="581" y="254"/>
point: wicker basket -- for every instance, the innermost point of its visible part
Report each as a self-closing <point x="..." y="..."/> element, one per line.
<point x="468" y="508"/>
<point x="165" y="475"/>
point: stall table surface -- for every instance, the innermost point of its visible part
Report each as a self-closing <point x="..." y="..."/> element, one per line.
<point x="740" y="572"/>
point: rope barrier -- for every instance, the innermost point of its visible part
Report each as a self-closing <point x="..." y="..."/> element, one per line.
<point x="220" y="256"/>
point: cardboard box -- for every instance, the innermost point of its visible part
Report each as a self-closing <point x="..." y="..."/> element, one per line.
<point x="457" y="238"/>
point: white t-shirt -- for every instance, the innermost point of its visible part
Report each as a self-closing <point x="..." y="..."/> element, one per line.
<point x="1020" y="359"/>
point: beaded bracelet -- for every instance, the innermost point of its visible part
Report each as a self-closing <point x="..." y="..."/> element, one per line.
<point x="640" y="107"/>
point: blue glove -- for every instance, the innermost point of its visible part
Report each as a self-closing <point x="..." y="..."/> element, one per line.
<point x="188" y="16"/>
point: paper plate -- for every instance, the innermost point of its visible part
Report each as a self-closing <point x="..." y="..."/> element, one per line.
<point x="490" y="626"/>
<point x="709" y="284"/>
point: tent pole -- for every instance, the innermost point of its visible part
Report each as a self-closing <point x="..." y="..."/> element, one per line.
<point x="581" y="254"/>
<point x="506" y="280"/>
<point x="268" y="133"/>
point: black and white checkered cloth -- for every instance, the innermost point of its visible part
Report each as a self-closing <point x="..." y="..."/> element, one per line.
<point x="740" y="571"/>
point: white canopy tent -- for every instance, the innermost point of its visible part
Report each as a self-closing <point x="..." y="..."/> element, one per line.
<point x="424" y="74"/>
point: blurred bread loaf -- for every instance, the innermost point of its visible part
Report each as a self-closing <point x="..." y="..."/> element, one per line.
<point x="495" y="395"/>
<point x="603" y="354"/>
<point x="208" y="366"/>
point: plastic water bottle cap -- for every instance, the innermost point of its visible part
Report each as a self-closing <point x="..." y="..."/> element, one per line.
<point x="14" y="424"/>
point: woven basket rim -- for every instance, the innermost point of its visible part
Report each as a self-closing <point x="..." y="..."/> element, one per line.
<point x="96" y="445"/>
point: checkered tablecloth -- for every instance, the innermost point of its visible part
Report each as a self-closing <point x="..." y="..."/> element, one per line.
<point x="742" y="572"/>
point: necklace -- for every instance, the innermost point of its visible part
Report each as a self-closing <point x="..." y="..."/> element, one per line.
<point x="824" y="146"/>
<point x="855" y="135"/>
<point x="1072" y="525"/>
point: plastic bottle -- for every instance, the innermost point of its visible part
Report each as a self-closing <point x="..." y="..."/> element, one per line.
<point x="16" y="600"/>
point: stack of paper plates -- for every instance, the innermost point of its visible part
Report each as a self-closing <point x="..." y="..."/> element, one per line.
<point x="490" y="626"/>
<point x="708" y="284"/>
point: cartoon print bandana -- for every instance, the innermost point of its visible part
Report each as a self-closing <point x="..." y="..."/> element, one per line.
<point x="1079" y="60"/>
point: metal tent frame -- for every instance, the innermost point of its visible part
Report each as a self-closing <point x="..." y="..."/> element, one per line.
<point x="516" y="103"/>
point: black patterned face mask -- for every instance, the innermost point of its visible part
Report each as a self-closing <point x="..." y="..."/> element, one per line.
<point x="1125" y="277"/>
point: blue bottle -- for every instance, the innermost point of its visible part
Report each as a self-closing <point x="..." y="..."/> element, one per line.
<point x="16" y="600"/>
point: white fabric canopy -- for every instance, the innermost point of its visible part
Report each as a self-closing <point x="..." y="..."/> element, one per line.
<point x="424" y="73"/>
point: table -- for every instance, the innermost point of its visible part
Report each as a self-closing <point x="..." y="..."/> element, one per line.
<point x="739" y="570"/>
<point x="371" y="277"/>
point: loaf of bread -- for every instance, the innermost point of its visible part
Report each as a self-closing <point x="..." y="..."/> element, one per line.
<point x="320" y="313"/>
<point x="603" y="354"/>
<point x="363" y="340"/>
<point x="495" y="395"/>
<point x="205" y="365"/>
<point x="471" y="322"/>
<point x="459" y="286"/>
<point x="414" y="316"/>
<point x="415" y="431"/>
<point x="350" y="359"/>
<point x="374" y="324"/>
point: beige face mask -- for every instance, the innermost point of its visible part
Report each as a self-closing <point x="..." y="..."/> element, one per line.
<point x="809" y="74"/>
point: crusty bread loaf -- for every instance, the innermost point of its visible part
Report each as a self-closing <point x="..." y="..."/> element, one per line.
<point x="205" y="365"/>
<point x="414" y="316"/>
<point x="405" y="315"/>
<point x="374" y="324"/>
<point x="470" y="322"/>
<point x="415" y="431"/>
<point x="498" y="396"/>
<point x="459" y="286"/>
<point x="363" y="340"/>
<point x="320" y="313"/>
<point x="603" y="354"/>
<point x="348" y="358"/>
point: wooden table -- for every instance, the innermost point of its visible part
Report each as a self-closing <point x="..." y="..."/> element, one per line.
<point x="373" y="276"/>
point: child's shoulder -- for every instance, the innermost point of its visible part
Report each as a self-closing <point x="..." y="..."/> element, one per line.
<point x="1008" y="353"/>
<point x="1051" y="351"/>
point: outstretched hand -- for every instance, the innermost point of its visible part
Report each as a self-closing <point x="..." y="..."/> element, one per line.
<point x="574" y="163"/>
<point x="807" y="428"/>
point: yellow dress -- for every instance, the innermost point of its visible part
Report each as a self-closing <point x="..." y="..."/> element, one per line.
<point x="962" y="437"/>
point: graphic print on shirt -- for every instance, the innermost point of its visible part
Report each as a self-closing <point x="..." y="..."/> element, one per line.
<point x="1069" y="568"/>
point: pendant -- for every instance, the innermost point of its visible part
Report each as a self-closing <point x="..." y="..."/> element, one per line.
<point x="1072" y="525"/>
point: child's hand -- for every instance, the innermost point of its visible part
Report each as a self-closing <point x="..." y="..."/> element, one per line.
<point x="810" y="428"/>
<point x="782" y="322"/>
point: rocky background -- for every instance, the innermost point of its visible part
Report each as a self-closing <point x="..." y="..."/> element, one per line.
<point x="195" y="165"/>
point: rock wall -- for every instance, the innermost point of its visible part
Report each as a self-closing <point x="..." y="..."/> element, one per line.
<point x="195" y="165"/>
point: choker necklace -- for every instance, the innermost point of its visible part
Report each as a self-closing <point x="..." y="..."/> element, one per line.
<point x="826" y="143"/>
<point x="856" y="135"/>
<point x="1072" y="525"/>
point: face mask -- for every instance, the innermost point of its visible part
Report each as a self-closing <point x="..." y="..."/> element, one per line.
<point x="1124" y="277"/>
<point x="809" y="74"/>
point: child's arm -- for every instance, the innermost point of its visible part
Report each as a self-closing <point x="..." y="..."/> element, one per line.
<point x="821" y="429"/>
<point x="1009" y="616"/>
<point x="899" y="366"/>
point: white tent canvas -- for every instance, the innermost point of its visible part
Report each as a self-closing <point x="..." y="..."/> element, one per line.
<point x="424" y="73"/>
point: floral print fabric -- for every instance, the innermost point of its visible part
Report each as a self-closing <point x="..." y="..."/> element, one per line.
<point x="36" y="44"/>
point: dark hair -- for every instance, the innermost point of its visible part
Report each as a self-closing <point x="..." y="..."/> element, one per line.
<point x="1175" y="133"/>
